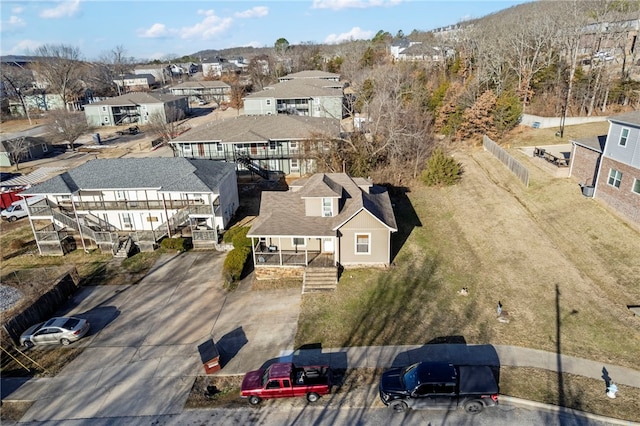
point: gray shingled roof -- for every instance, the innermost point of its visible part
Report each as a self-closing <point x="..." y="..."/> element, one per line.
<point x="595" y="143"/>
<point x="298" y="88"/>
<point x="312" y="74"/>
<point x="138" y="98"/>
<point x="632" y="118"/>
<point x="163" y="174"/>
<point x="283" y="213"/>
<point x="260" y="128"/>
<point x="198" y="84"/>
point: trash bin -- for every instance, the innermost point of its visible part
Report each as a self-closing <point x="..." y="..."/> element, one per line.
<point x="210" y="357"/>
<point x="588" y="191"/>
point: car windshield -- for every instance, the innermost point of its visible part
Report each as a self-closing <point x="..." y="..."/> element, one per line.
<point x="410" y="376"/>
<point x="71" y="323"/>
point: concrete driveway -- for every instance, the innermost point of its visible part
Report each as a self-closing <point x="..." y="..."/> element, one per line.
<point x="142" y="356"/>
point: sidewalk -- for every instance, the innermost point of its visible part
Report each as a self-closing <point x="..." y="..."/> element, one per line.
<point x="173" y="383"/>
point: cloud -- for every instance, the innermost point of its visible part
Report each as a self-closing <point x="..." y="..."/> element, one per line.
<point x="352" y="4"/>
<point x="23" y="46"/>
<point x="17" y="9"/>
<point x="255" y="12"/>
<point x="209" y="27"/>
<point x="64" y="9"/>
<point x="356" y="33"/>
<point x="156" y="31"/>
<point x="12" y="24"/>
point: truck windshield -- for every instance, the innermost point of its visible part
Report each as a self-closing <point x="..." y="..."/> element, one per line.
<point x="410" y="376"/>
<point x="11" y="208"/>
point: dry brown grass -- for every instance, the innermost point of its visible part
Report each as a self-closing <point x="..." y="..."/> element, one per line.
<point x="504" y="242"/>
<point x="576" y="392"/>
<point x="13" y="411"/>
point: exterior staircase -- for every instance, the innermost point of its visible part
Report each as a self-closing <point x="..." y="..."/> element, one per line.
<point x="320" y="279"/>
<point x="124" y="248"/>
<point x="252" y="167"/>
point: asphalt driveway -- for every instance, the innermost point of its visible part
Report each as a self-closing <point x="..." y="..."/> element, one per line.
<point x="141" y="356"/>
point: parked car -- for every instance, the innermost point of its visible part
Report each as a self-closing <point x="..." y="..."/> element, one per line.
<point x="58" y="330"/>
<point x="284" y="379"/>
<point x="439" y="385"/>
<point x="18" y="209"/>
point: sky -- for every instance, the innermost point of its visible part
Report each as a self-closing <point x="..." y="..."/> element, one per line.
<point x="157" y="29"/>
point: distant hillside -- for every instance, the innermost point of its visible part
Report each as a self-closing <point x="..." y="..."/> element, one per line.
<point x="246" y="51"/>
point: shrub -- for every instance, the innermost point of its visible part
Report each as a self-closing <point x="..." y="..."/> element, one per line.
<point x="441" y="170"/>
<point x="234" y="264"/>
<point x="179" y="244"/>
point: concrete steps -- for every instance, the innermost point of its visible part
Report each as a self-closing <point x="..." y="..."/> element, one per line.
<point x="320" y="279"/>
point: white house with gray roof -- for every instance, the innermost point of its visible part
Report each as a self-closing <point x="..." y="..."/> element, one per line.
<point x="323" y="222"/>
<point x="109" y="201"/>
<point x="208" y="91"/>
<point x="301" y="96"/>
<point x="315" y="74"/>
<point x="136" y="108"/>
<point x="260" y="144"/>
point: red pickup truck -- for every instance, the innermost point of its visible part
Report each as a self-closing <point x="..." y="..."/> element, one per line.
<point x="284" y="379"/>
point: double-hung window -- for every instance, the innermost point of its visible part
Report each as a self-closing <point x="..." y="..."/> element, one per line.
<point x="636" y="186"/>
<point x="298" y="242"/>
<point x="624" y="136"/>
<point x="363" y="243"/>
<point x="615" y="177"/>
<point x="327" y="207"/>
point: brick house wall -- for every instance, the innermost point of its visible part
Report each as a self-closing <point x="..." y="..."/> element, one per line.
<point x="622" y="199"/>
<point x="584" y="165"/>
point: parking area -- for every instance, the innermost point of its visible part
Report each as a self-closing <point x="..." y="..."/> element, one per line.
<point x="141" y="355"/>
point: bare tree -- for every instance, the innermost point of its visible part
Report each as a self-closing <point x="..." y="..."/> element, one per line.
<point x="66" y="126"/>
<point x="167" y="126"/>
<point x="116" y="65"/>
<point x="19" y="81"/>
<point x="17" y="149"/>
<point x="59" y="68"/>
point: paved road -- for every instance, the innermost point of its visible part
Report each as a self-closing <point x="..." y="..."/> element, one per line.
<point x="142" y="356"/>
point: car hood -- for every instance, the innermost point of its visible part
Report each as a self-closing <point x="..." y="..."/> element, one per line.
<point x="252" y="380"/>
<point x="29" y="331"/>
<point x="391" y="381"/>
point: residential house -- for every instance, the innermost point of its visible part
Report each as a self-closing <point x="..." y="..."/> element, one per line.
<point x="260" y="144"/>
<point x="609" y="168"/>
<point x="207" y="91"/>
<point x="159" y="72"/>
<point x="112" y="203"/>
<point x="29" y="148"/>
<point x="212" y="70"/>
<point x="137" y="107"/>
<point x="136" y="82"/>
<point x="312" y="97"/>
<point x="322" y="222"/>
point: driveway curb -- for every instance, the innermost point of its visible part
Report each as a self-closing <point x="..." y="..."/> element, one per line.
<point x="557" y="409"/>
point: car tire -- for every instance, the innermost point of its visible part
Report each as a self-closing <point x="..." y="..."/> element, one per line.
<point x="473" y="407"/>
<point x="312" y="397"/>
<point x="28" y="344"/>
<point x="65" y="342"/>
<point x="254" y="400"/>
<point x="398" y="406"/>
<point x="12" y="218"/>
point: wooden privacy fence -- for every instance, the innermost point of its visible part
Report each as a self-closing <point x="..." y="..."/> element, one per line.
<point x="42" y="308"/>
<point x="514" y="165"/>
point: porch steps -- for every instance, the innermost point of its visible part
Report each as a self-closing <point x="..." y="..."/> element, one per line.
<point x="125" y="247"/>
<point x="317" y="279"/>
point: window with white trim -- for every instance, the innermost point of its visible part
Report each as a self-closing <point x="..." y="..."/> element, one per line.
<point x="186" y="149"/>
<point x="106" y="119"/>
<point x="327" y="207"/>
<point x="273" y="146"/>
<point x="295" y="164"/>
<point x="268" y="101"/>
<point x="126" y="220"/>
<point x="363" y="243"/>
<point x="104" y="109"/>
<point x="624" y="136"/>
<point x="615" y="177"/>
<point x="636" y="186"/>
<point x="298" y="242"/>
<point x="219" y="147"/>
